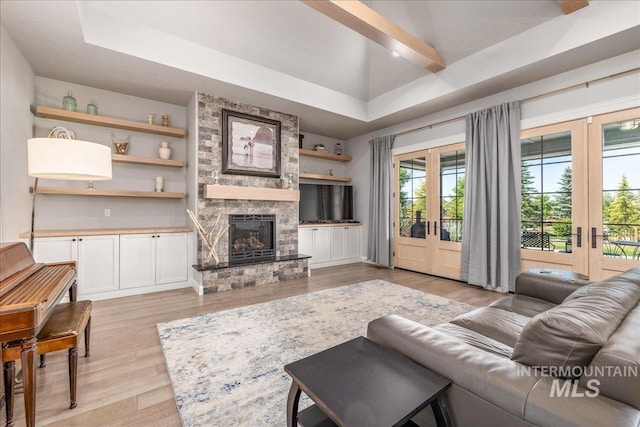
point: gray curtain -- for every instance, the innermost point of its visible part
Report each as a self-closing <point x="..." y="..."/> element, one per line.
<point x="491" y="235"/>
<point x="380" y="246"/>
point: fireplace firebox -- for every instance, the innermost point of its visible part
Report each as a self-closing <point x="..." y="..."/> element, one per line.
<point x="251" y="238"/>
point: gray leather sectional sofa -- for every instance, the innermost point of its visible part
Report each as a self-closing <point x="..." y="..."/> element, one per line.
<point x="556" y="353"/>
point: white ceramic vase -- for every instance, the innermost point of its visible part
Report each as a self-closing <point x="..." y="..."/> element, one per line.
<point x="164" y="151"/>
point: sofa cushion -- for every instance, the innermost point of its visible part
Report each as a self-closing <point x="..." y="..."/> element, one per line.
<point x="475" y="339"/>
<point x="623" y="288"/>
<point x="548" y="287"/>
<point x="523" y="304"/>
<point x="569" y="335"/>
<point x="617" y="364"/>
<point x="500" y="325"/>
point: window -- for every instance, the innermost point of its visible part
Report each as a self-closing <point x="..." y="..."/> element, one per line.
<point x="452" y="180"/>
<point x="621" y="189"/>
<point x="547" y="193"/>
<point x="413" y="197"/>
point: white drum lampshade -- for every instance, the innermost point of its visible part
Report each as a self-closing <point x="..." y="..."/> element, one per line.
<point x="69" y="159"/>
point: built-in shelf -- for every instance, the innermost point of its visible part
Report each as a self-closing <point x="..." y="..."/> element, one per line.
<point x="122" y="158"/>
<point x="109" y="193"/>
<point x="325" y="177"/>
<point x="105" y="231"/>
<point x="324" y="155"/>
<point x="234" y="192"/>
<point x="110" y="122"/>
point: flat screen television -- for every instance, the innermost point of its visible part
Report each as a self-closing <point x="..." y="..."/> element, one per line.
<point x="326" y="202"/>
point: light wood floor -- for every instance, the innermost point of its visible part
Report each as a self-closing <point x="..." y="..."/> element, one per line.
<point x="125" y="382"/>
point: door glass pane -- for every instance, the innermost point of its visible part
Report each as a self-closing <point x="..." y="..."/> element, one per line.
<point x="546" y="193"/>
<point x="621" y="189"/>
<point x="452" y="181"/>
<point x="413" y="197"/>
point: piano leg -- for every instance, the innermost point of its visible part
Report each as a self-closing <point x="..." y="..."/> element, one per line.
<point x="9" y="389"/>
<point x="28" y="359"/>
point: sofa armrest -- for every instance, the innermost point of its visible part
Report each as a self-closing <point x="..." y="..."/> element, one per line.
<point x="547" y="287"/>
<point x="549" y="404"/>
<point x="491" y="377"/>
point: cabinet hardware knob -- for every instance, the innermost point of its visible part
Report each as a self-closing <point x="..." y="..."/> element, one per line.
<point x="80" y="240"/>
<point x="73" y="240"/>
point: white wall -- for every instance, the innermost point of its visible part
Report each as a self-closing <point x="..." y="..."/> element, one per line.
<point x="193" y="139"/>
<point x="64" y="212"/>
<point x="17" y="82"/>
<point x="603" y="96"/>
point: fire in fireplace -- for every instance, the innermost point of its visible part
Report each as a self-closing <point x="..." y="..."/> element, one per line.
<point x="251" y="238"/>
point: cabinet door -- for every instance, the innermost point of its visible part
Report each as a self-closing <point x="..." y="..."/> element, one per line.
<point x="339" y="243"/>
<point x="137" y="260"/>
<point x="171" y="258"/>
<point x="55" y="249"/>
<point x="352" y="242"/>
<point x="321" y="244"/>
<point x="98" y="263"/>
<point x="305" y="241"/>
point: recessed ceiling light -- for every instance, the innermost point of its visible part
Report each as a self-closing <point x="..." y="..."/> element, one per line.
<point x="395" y="54"/>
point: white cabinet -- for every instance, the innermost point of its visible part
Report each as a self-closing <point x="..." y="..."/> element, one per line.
<point x="345" y="242"/>
<point x="97" y="259"/>
<point x="152" y="259"/>
<point x="138" y="260"/>
<point x="315" y="242"/>
<point x="330" y="245"/>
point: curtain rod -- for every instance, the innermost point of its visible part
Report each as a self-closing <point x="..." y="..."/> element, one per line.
<point x="551" y="92"/>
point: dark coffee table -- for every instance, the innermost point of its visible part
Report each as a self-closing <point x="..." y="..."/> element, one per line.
<point x="360" y="383"/>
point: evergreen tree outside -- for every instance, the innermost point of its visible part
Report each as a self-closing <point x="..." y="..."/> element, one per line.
<point x="530" y="210"/>
<point x="405" y="207"/>
<point x="562" y="202"/>
<point x="624" y="212"/>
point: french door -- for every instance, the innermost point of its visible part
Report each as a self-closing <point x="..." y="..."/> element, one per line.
<point x="614" y="193"/>
<point x="428" y="202"/>
<point x="581" y="195"/>
<point x="554" y="194"/>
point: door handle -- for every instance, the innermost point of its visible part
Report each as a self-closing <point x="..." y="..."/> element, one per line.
<point x="428" y="228"/>
<point x="435" y="226"/>
<point x="579" y="237"/>
<point x="593" y="238"/>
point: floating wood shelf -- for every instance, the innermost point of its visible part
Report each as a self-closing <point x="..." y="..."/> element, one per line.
<point x="325" y="177"/>
<point x="146" y="160"/>
<point x="324" y="155"/>
<point x="234" y="192"/>
<point x="110" y="122"/>
<point x="109" y="193"/>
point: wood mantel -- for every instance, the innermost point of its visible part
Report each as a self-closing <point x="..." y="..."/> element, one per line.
<point x="234" y="192"/>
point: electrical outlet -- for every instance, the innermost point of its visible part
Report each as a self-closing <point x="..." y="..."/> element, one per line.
<point x="107" y="212"/>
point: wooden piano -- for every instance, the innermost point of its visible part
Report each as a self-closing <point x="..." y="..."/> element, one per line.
<point x="28" y="293"/>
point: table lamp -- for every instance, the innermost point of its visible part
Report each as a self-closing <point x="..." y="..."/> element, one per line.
<point x="65" y="159"/>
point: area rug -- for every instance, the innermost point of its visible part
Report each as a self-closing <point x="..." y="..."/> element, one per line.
<point x="226" y="368"/>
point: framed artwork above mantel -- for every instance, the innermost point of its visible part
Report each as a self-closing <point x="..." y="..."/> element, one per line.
<point x="250" y="145"/>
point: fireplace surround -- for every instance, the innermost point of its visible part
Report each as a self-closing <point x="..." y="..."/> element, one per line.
<point x="285" y="262"/>
<point x="251" y="238"/>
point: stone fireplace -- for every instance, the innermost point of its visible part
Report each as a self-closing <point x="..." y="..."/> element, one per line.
<point x="251" y="263"/>
<point x="251" y="238"/>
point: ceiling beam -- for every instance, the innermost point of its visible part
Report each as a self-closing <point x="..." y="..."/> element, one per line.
<point x="570" y="6"/>
<point x="379" y="29"/>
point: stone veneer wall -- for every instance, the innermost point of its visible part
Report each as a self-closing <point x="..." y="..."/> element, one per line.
<point x="210" y="159"/>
